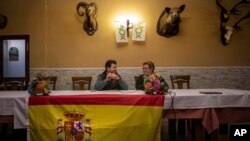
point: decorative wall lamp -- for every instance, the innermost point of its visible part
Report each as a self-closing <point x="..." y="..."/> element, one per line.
<point x="122" y="28"/>
<point x="129" y="26"/>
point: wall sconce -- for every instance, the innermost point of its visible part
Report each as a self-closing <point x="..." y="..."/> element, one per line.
<point x="129" y="26"/>
<point x="122" y="30"/>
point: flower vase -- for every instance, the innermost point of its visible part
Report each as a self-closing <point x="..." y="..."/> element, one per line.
<point x="41" y="88"/>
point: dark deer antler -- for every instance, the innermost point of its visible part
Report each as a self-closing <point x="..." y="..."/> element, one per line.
<point x="227" y="30"/>
<point x="224" y="15"/>
<point x="235" y="26"/>
<point x="234" y="10"/>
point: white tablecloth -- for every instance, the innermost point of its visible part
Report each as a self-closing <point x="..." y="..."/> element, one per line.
<point x="193" y="99"/>
<point x="16" y="102"/>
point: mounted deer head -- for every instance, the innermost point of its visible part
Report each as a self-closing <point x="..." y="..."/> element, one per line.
<point x="227" y="30"/>
<point x="168" y="23"/>
<point x="88" y="12"/>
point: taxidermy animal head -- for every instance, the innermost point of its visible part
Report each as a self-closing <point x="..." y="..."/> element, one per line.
<point x="226" y="31"/>
<point x="168" y="23"/>
<point x="88" y="12"/>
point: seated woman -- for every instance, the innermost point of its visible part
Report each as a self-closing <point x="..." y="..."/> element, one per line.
<point x="149" y="74"/>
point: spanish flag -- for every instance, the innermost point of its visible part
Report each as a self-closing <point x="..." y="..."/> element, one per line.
<point x="95" y="117"/>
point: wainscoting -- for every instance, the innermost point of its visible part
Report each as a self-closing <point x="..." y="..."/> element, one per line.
<point x="201" y="77"/>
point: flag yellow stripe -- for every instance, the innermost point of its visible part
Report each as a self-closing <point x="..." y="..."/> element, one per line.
<point x="108" y="122"/>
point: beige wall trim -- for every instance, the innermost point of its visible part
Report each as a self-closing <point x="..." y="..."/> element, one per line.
<point x="236" y="77"/>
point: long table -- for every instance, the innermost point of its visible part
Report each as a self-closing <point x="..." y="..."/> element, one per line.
<point x="212" y="109"/>
<point x="218" y="106"/>
<point x="14" y="106"/>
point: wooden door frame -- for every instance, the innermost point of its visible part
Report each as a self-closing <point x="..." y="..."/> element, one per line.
<point x="27" y="64"/>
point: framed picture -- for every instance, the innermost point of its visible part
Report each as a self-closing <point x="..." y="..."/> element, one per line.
<point x="13" y="54"/>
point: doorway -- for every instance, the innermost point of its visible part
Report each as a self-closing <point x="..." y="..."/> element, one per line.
<point x="14" y="60"/>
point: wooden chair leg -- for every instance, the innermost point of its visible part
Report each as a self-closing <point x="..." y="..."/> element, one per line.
<point x="223" y="129"/>
<point x="214" y="136"/>
<point x="197" y="131"/>
<point x="181" y="126"/>
<point x="172" y="127"/>
<point x="189" y="126"/>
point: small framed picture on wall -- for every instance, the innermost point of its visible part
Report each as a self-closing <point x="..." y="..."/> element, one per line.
<point x="13" y="54"/>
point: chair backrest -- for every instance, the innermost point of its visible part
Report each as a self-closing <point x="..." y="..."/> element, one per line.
<point x="136" y="77"/>
<point x="52" y="82"/>
<point x="81" y="82"/>
<point x="180" y="80"/>
<point x="13" y="83"/>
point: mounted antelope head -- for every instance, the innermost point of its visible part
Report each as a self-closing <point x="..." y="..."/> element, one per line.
<point x="168" y="23"/>
<point x="227" y="30"/>
<point x="88" y="11"/>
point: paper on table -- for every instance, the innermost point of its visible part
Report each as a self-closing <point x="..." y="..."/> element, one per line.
<point x="210" y="92"/>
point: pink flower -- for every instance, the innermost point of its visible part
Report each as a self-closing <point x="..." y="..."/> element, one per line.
<point x="157" y="85"/>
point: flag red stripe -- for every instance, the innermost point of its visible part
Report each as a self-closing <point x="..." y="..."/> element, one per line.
<point x="99" y="99"/>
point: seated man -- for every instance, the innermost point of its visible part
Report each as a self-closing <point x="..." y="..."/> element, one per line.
<point x="110" y="79"/>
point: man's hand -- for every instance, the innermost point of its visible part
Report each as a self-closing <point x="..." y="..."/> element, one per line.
<point x="108" y="77"/>
<point x="115" y="76"/>
<point x="112" y="76"/>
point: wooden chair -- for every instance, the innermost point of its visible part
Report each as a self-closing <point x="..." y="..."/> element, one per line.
<point x="13" y="83"/>
<point x="52" y="81"/>
<point x="81" y="82"/>
<point x="136" y="77"/>
<point x="180" y="81"/>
